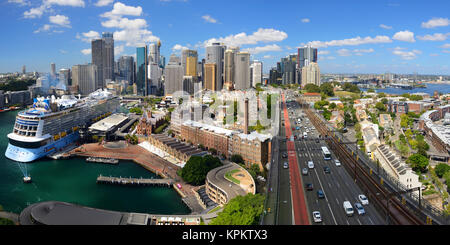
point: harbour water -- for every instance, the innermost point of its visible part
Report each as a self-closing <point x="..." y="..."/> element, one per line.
<point x="74" y="180"/>
<point x="431" y="87"/>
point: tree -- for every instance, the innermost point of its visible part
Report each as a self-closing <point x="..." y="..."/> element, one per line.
<point x="4" y="221"/>
<point x="371" y="90"/>
<point x="197" y="167"/>
<point x="380" y="106"/>
<point x="241" y="210"/>
<point x="332" y="106"/>
<point x="327" y="89"/>
<point x="447" y="179"/>
<point x="136" y="110"/>
<point x="441" y="169"/>
<point x="236" y="158"/>
<point x="312" y="88"/>
<point x="418" y="162"/>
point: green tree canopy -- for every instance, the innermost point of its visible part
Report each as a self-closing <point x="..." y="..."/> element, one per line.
<point x="237" y="159"/>
<point x="441" y="169"/>
<point x="312" y="88"/>
<point x="327" y="89"/>
<point x="332" y="106"/>
<point x="197" y="167"/>
<point x="380" y="106"/>
<point x="418" y="162"/>
<point x="241" y="210"/>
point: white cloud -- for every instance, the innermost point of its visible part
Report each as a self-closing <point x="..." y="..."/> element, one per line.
<point x="45" y="27"/>
<point x="262" y="35"/>
<point x="125" y="23"/>
<point x="20" y="2"/>
<point x="405" y="36"/>
<point x="385" y="27"/>
<point x="102" y="3"/>
<point x="351" y="41"/>
<point x="434" y="54"/>
<point x="62" y="51"/>
<point x="305" y="20"/>
<point x="434" y="37"/>
<point x="135" y="37"/>
<point x="120" y="9"/>
<point x="360" y="52"/>
<point x="446" y="51"/>
<point x="88" y="36"/>
<point x="436" y="22"/>
<point x="321" y="52"/>
<point x="267" y="48"/>
<point x="447" y="45"/>
<point x="209" y="19"/>
<point x="86" y="51"/>
<point x="73" y="3"/>
<point x="267" y="56"/>
<point x="60" y="20"/>
<point x="344" y="52"/>
<point x="406" y="55"/>
<point x="34" y="12"/>
<point x="119" y="49"/>
<point x="178" y="47"/>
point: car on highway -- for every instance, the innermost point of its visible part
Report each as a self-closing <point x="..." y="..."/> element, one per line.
<point x="320" y="194"/>
<point x="363" y="199"/>
<point x="317" y="141"/>
<point x="317" y="217"/>
<point x="359" y="208"/>
<point x="310" y="164"/>
<point x="305" y="171"/>
<point x="284" y="155"/>
<point x="337" y="162"/>
<point x="305" y="135"/>
<point x="348" y="208"/>
<point x="285" y="165"/>
<point x="309" y="186"/>
<point x="326" y="169"/>
<point x="297" y="128"/>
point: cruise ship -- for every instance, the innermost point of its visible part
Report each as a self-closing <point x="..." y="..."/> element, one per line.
<point x="53" y="123"/>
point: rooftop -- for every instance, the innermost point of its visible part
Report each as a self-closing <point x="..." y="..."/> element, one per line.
<point x="108" y="123"/>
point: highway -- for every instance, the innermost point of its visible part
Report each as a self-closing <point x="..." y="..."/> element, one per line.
<point x="338" y="186"/>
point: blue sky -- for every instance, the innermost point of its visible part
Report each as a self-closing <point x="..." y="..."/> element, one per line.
<point x="353" y="36"/>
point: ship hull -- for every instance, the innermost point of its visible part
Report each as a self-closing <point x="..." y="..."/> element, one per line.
<point x="20" y="154"/>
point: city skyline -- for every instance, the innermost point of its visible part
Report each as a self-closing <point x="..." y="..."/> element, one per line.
<point x="384" y="37"/>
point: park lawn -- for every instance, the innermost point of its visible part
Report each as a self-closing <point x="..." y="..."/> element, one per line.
<point x="401" y="147"/>
<point x="229" y="176"/>
<point x="345" y="94"/>
<point x="214" y="209"/>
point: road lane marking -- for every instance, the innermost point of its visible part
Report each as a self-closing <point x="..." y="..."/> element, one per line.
<point x="337" y="201"/>
<point x="320" y="183"/>
<point x="359" y="221"/>
<point x="370" y="220"/>
<point x="347" y="222"/>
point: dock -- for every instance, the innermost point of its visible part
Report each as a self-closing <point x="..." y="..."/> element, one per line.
<point x="102" y="160"/>
<point x="134" y="181"/>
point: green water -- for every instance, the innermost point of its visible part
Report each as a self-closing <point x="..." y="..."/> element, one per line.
<point x="74" y="181"/>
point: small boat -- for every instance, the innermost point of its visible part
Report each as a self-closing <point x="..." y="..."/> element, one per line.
<point x="27" y="179"/>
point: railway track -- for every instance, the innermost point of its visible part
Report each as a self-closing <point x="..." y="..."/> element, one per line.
<point x="384" y="200"/>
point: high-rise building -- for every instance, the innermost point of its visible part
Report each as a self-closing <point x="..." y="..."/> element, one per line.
<point x="189" y="62"/>
<point x="209" y="77"/>
<point x="215" y="54"/>
<point x="85" y="78"/>
<point x="108" y="57"/>
<point x="242" y="71"/>
<point x="141" y="70"/>
<point x="229" y="64"/>
<point x="24" y="70"/>
<point x="311" y="74"/>
<point x="126" y="68"/>
<point x="306" y="55"/>
<point x="257" y="68"/>
<point x="162" y="61"/>
<point x="154" y="78"/>
<point x="102" y="51"/>
<point x="154" y="52"/>
<point x="52" y="69"/>
<point x="173" y="76"/>
<point x="64" y="75"/>
<point x="288" y="65"/>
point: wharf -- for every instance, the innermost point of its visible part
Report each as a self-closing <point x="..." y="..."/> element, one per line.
<point x="64" y="153"/>
<point x="134" y="181"/>
<point x="102" y="160"/>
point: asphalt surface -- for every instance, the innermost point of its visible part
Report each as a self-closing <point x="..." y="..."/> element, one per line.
<point x="338" y="186"/>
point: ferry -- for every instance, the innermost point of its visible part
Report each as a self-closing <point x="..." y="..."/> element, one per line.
<point x="53" y="123"/>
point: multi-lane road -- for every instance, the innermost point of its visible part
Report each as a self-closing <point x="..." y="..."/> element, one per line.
<point x="338" y="186"/>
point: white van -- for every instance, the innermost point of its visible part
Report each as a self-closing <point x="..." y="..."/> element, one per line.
<point x="305" y="135"/>
<point x="310" y="164"/>
<point x="348" y="208"/>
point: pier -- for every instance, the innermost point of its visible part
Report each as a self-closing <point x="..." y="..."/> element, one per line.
<point x="102" y="160"/>
<point x="134" y="181"/>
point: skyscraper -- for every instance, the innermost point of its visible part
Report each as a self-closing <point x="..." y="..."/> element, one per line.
<point x="153" y="50"/>
<point x="209" y="76"/>
<point x="229" y="65"/>
<point x="173" y="76"/>
<point x="126" y="68"/>
<point x="141" y="70"/>
<point x="242" y="71"/>
<point x="24" y="69"/>
<point x="189" y="62"/>
<point x="257" y="72"/>
<point x="102" y="51"/>
<point x="311" y="74"/>
<point x="85" y="78"/>
<point x="108" y="57"/>
<point x="52" y="69"/>
<point x="215" y="54"/>
<point x="305" y="55"/>
<point x="64" y="74"/>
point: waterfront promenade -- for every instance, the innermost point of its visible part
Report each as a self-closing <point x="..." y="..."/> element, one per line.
<point x="149" y="161"/>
